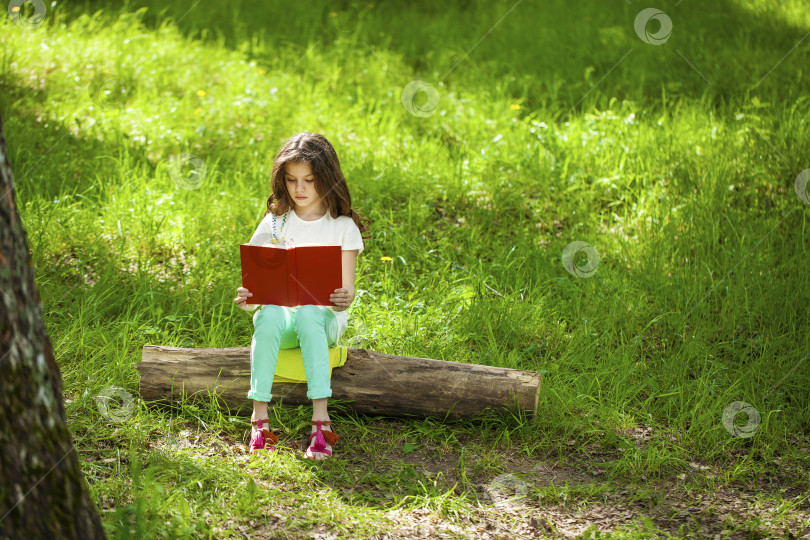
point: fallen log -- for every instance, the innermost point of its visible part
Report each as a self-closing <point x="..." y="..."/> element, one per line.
<point x="369" y="382"/>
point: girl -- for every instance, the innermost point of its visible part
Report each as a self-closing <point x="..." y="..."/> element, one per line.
<point x="309" y="203"/>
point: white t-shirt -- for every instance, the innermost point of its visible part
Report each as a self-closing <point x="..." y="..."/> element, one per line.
<point x="342" y="231"/>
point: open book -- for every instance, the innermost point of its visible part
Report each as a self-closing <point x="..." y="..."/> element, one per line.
<point x="295" y="276"/>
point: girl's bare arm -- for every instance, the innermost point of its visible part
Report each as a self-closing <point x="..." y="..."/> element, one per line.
<point x="343" y="297"/>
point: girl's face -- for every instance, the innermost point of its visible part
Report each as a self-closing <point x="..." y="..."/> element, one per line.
<point x="300" y="184"/>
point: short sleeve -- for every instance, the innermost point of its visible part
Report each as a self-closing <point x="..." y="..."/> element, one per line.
<point x="352" y="239"/>
<point x="263" y="234"/>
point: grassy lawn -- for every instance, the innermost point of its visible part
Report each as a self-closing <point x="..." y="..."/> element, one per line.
<point x="621" y="209"/>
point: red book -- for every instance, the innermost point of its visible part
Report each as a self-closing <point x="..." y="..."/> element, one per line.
<point x="290" y="277"/>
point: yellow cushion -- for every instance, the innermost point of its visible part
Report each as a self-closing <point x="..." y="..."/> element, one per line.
<point x="290" y="365"/>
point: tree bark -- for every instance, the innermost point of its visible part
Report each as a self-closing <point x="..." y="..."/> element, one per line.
<point x="372" y="383"/>
<point x="42" y="490"/>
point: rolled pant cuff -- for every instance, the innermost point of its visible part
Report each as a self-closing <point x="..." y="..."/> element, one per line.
<point x="259" y="396"/>
<point x="319" y="394"/>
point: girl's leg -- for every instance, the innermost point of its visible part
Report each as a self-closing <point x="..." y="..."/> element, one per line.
<point x="315" y="332"/>
<point x="317" y="328"/>
<point x="259" y="410"/>
<point x="273" y="330"/>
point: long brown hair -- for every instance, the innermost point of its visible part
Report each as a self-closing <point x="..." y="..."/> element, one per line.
<point x="330" y="184"/>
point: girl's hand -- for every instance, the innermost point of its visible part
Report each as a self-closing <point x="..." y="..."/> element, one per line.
<point x="342" y="298"/>
<point x="242" y="295"/>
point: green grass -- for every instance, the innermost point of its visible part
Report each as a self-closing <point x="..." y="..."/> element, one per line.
<point x="675" y="162"/>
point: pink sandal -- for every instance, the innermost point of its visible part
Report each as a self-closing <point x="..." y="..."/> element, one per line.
<point x="321" y="438"/>
<point x="263" y="439"/>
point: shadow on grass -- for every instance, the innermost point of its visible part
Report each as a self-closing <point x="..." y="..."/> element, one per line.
<point x="556" y="53"/>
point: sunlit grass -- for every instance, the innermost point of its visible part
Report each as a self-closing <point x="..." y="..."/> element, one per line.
<point x="541" y="137"/>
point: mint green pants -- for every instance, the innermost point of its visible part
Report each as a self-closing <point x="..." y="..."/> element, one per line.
<point x="313" y="328"/>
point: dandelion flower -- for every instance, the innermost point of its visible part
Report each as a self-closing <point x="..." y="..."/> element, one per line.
<point x="201" y="93"/>
<point x="386" y="259"/>
<point x="515" y="106"/>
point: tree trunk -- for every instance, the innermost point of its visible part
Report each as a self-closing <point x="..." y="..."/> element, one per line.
<point x="372" y="383"/>
<point x="42" y="490"/>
